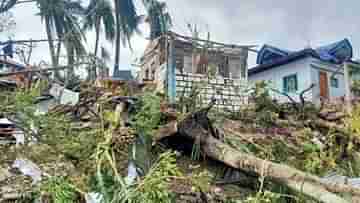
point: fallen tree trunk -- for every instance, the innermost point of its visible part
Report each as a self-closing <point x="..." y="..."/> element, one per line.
<point x="198" y="126"/>
<point x="165" y="131"/>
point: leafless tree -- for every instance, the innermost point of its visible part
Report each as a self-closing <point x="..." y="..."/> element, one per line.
<point x="24" y="51"/>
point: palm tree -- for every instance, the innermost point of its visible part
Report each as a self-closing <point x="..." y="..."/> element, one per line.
<point x="100" y="12"/>
<point x="127" y="21"/>
<point x="73" y="41"/>
<point x="104" y="59"/>
<point x="158" y="18"/>
<point x="5" y="5"/>
<point x="60" y="20"/>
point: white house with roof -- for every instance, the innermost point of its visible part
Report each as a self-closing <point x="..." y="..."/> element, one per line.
<point x="294" y="71"/>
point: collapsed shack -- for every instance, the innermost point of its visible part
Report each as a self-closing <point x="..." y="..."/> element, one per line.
<point x="112" y="145"/>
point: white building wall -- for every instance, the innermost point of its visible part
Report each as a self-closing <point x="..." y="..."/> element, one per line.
<point x="275" y="76"/>
<point x="334" y="93"/>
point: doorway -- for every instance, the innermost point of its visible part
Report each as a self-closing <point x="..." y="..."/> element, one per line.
<point x="324" y="85"/>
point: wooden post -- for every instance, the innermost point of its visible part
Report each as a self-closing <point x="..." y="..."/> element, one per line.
<point x="348" y="96"/>
<point x="171" y="72"/>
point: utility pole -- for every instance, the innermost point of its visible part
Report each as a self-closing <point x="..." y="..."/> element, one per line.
<point x="348" y="94"/>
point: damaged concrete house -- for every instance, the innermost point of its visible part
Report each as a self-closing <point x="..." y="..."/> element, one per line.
<point x="178" y="64"/>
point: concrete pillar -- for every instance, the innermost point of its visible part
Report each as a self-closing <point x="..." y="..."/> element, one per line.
<point x="171" y="72"/>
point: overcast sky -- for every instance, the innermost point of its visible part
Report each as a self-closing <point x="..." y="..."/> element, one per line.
<point x="289" y="24"/>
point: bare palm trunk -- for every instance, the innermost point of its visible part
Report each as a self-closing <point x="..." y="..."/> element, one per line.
<point x="58" y="51"/>
<point x="97" y="40"/>
<point x="71" y="62"/>
<point x="117" y="41"/>
<point x="51" y="47"/>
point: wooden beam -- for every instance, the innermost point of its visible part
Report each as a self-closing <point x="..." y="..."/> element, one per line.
<point x="34" y="71"/>
<point x="248" y="47"/>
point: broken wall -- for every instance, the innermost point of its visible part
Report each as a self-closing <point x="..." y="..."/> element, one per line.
<point x="229" y="93"/>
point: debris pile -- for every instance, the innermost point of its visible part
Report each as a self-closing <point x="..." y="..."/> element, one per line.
<point x="126" y="144"/>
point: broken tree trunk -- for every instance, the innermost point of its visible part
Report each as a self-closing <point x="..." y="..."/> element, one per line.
<point x="165" y="131"/>
<point x="198" y="126"/>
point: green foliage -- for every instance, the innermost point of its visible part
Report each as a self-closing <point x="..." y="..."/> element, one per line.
<point x="354" y="121"/>
<point x="355" y="87"/>
<point x="196" y="151"/>
<point x="104" y="183"/>
<point x="20" y="107"/>
<point x="153" y="188"/>
<point x="148" y="115"/>
<point x="264" y="111"/>
<point x="191" y="102"/>
<point x="266" y="119"/>
<point x="53" y="129"/>
<point x="261" y="97"/>
<point x="280" y="152"/>
<point x="155" y="185"/>
<point x="202" y="180"/>
<point x="146" y="118"/>
<point x="264" y="197"/>
<point x="59" y="190"/>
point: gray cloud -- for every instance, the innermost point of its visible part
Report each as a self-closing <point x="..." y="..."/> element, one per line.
<point x="291" y="24"/>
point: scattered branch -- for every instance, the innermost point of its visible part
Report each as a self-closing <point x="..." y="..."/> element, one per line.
<point x="302" y="99"/>
<point x="293" y="102"/>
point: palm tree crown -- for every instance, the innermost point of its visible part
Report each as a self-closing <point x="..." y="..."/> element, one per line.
<point x="61" y="21"/>
<point x="100" y="12"/>
<point x="158" y="18"/>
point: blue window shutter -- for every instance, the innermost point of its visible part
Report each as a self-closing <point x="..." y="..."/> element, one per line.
<point x="290" y="83"/>
<point x="334" y="82"/>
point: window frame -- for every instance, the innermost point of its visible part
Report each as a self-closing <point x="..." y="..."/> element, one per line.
<point x="333" y="79"/>
<point x="285" y="83"/>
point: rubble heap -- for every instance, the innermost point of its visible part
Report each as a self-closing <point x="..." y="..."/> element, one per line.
<point x="126" y="144"/>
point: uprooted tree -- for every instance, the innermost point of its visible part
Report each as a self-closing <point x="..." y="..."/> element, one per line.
<point x="197" y="126"/>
